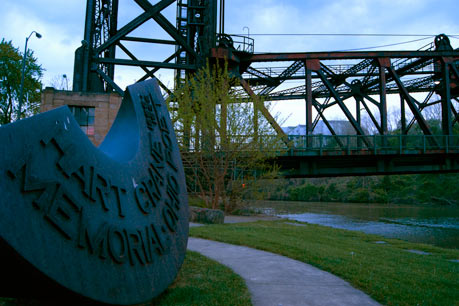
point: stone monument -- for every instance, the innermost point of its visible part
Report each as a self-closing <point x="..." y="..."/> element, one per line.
<point x="107" y="224"/>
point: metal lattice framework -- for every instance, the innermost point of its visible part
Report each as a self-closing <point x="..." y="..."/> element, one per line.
<point x="193" y="36"/>
<point x="356" y="83"/>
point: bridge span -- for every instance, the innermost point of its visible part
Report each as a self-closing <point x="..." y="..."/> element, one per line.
<point x="352" y="84"/>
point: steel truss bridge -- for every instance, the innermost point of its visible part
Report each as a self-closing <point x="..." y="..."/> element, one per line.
<point x="356" y="83"/>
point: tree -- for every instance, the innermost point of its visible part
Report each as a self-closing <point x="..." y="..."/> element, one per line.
<point x="10" y="81"/>
<point x="60" y="82"/>
<point x="216" y="127"/>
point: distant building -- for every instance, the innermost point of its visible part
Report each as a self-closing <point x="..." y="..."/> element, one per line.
<point x="94" y="112"/>
<point x="341" y="127"/>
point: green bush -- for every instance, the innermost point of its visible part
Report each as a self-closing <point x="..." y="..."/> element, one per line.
<point x="402" y="189"/>
<point x="195" y="201"/>
<point x="360" y="195"/>
<point x="307" y="192"/>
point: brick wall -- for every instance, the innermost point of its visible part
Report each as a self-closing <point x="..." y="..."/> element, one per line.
<point x="106" y="107"/>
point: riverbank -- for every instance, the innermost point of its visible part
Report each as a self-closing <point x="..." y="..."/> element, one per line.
<point x="438" y="189"/>
<point x="391" y="271"/>
<point x="431" y="224"/>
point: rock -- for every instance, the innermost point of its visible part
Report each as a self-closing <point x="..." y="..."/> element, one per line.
<point x="206" y="215"/>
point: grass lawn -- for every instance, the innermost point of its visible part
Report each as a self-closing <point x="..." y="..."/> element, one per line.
<point x="201" y="281"/>
<point x="387" y="272"/>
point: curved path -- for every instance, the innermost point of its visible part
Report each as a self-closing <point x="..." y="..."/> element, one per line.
<point x="277" y="280"/>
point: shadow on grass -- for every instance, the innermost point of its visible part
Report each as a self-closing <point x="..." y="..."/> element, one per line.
<point x="201" y="281"/>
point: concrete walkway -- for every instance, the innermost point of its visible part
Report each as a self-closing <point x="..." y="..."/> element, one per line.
<point x="277" y="280"/>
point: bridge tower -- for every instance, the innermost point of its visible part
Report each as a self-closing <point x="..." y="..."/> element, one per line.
<point x="100" y="25"/>
<point x="193" y="36"/>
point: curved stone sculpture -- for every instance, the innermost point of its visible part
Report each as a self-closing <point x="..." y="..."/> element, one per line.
<point x="109" y="223"/>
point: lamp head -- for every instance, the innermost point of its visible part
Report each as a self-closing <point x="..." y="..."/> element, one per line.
<point x="38" y="35"/>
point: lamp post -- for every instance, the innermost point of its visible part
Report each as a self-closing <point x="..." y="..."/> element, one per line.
<point x="24" y="58"/>
<point x="66" y="82"/>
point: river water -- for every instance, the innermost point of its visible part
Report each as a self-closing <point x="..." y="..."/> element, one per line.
<point x="437" y="225"/>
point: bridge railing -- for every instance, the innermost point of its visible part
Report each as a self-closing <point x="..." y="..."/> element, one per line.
<point x="372" y="144"/>
<point x="313" y="145"/>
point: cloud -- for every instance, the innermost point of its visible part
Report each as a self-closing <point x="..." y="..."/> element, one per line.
<point x="61" y="35"/>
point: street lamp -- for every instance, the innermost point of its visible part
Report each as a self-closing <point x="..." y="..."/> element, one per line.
<point x="66" y="82"/>
<point x="24" y="58"/>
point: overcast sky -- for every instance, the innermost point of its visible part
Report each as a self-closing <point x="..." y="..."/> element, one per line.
<point x="61" y="22"/>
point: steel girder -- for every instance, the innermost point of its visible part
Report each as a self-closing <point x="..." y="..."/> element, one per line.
<point x="367" y="78"/>
<point x="193" y="36"/>
<point x="100" y="25"/>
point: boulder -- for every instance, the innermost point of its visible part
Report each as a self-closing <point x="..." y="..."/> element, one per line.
<point x="206" y="215"/>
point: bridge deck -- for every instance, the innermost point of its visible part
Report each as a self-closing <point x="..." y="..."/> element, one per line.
<point x="328" y="155"/>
